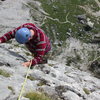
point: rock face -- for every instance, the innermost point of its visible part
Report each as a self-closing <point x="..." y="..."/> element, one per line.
<point x="95" y="67"/>
<point x="87" y="24"/>
<point x="57" y="80"/>
<point x="12" y="14"/>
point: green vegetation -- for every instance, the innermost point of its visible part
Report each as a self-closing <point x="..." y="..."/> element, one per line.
<point x="27" y="53"/>
<point x="86" y="91"/>
<point x="10" y="88"/>
<point x="36" y="96"/>
<point x="31" y="78"/>
<point x="51" y="65"/>
<point x="60" y="22"/>
<point x="92" y="55"/>
<point x="62" y="18"/>
<point x="75" y="59"/>
<point x="4" y="73"/>
<point x="41" y="83"/>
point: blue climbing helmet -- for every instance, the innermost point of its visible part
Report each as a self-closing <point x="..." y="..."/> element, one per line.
<point x="22" y="35"/>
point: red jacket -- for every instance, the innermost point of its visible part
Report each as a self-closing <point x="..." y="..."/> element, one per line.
<point x="39" y="45"/>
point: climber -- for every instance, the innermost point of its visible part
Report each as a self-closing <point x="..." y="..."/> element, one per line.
<point x="35" y="40"/>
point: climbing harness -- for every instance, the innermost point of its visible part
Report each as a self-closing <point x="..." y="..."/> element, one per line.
<point x="23" y="86"/>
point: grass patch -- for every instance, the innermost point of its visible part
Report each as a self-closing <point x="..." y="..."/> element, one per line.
<point x="86" y="91"/>
<point x="31" y="78"/>
<point x="58" y="10"/>
<point x="10" y="88"/>
<point x="36" y="96"/>
<point x="42" y="82"/>
<point x="74" y="60"/>
<point x="4" y="73"/>
<point x="51" y="65"/>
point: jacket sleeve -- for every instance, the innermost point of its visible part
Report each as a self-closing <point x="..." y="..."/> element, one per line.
<point x="11" y="34"/>
<point x="40" y="49"/>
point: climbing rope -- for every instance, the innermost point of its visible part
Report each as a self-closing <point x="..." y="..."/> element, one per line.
<point x="23" y="86"/>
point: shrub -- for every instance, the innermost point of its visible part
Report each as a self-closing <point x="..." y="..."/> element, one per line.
<point x="4" y="73"/>
<point x="37" y="96"/>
